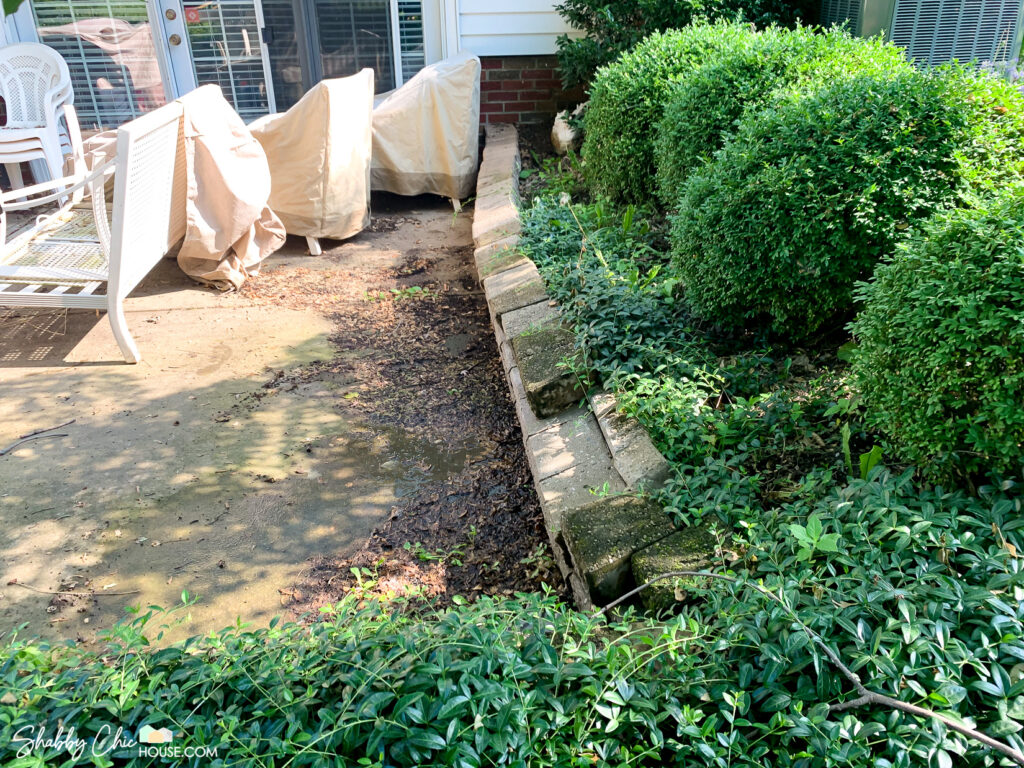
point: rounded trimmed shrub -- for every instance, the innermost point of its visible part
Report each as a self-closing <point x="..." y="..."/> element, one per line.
<point x="627" y="100"/>
<point x="613" y="28"/>
<point x="814" y="190"/>
<point x="940" y="361"/>
<point x="705" y="105"/>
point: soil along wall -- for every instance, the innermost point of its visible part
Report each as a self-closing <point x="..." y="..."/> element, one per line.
<point x="589" y="464"/>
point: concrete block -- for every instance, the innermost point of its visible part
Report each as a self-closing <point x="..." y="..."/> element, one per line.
<point x="498" y="256"/>
<point x="633" y="452"/>
<point x="603" y="536"/>
<point x="528" y="421"/>
<point x="575" y="488"/>
<point x="495" y="217"/>
<point x="540" y="354"/>
<point x="530" y="318"/>
<point x="564" y="446"/>
<point x="514" y="289"/>
<point x="689" y="549"/>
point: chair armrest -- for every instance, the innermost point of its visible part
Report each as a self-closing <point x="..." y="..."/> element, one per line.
<point x="58" y="188"/>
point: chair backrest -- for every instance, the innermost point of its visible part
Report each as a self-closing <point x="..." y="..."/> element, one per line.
<point x="149" y="206"/>
<point x="34" y="81"/>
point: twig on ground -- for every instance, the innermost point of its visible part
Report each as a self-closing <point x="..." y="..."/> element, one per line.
<point x="865" y="697"/>
<point x="15" y="444"/>
<point x="51" y="429"/>
<point x="65" y="592"/>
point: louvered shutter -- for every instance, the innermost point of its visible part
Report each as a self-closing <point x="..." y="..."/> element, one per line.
<point x="937" y="31"/>
<point x="411" y="37"/>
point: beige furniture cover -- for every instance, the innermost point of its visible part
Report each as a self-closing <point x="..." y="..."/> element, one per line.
<point x="229" y="230"/>
<point x="319" y="153"/>
<point x="426" y="134"/>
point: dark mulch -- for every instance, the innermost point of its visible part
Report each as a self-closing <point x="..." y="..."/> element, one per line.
<point x="425" y="362"/>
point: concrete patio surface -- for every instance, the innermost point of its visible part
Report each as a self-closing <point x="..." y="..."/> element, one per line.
<point x="192" y="470"/>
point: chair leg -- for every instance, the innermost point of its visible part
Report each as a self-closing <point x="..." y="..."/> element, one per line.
<point x="119" y="324"/>
<point x="14" y="174"/>
<point x="314" y="247"/>
<point x="456" y="204"/>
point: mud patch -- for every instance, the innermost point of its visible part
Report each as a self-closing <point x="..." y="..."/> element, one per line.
<point x="416" y="353"/>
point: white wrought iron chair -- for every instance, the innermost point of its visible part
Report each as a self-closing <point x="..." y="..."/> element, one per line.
<point x="36" y="87"/>
<point x="75" y="258"/>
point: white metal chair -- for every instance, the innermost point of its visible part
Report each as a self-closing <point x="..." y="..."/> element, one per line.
<point x="74" y="258"/>
<point x="36" y="87"/>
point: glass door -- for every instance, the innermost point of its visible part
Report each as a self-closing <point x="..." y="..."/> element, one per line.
<point x="127" y="57"/>
<point x="310" y="40"/>
<point x="225" y="49"/>
<point x="111" y="52"/>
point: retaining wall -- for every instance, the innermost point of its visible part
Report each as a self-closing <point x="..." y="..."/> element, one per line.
<point x="589" y="463"/>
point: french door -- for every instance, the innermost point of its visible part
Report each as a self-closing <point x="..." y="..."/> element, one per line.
<point x="310" y="40"/>
<point x="129" y="56"/>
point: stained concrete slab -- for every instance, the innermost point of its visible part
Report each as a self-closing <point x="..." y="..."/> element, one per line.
<point x="514" y="288"/>
<point x="192" y="471"/>
<point x="564" y="446"/>
<point x="633" y="452"/>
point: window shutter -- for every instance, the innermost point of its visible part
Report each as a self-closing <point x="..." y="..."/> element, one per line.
<point x="225" y="43"/>
<point x="110" y="54"/>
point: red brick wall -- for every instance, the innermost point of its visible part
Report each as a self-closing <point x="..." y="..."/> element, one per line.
<point x="522" y="89"/>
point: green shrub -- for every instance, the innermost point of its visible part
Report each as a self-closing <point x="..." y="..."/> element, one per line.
<point x="706" y="104"/>
<point x="612" y="28"/>
<point x="626" y="104"/>
<point x="818" y="187"/>
<point x="941" y="356"/>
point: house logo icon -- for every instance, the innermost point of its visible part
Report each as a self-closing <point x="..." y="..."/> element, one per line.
<point x="150" y="735"/>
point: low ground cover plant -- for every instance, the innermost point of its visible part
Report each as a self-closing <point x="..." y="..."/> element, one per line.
<point x="819" y="186"/>
<point x="940" y="361"/>
<point x="627" y="101"/>
<point x="909" y="582"/>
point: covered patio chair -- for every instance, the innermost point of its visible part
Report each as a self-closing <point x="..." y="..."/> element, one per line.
<point x="319" y="156"/>
<point x="426" y="134"/>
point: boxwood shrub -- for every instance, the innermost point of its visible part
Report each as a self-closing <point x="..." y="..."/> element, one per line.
<point x="627" y="100"/>
<point x="823" y="183"/>
<point x="613" y="28"/>
<point x="941" y="356"/>
<point x="704" y="107"/>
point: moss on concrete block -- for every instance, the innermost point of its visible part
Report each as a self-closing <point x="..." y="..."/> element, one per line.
<point x="498" y="257"/>
<point x="539" y="353"/>
<point x="603" y="536"/>
<point x="690" y="549"/>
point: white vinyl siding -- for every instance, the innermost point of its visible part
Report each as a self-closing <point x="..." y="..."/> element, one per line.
<point x="510" y="27"/>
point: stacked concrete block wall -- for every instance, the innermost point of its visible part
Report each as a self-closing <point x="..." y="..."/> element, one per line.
<point x="589" y="463"/>
<point x="522" y="89"/>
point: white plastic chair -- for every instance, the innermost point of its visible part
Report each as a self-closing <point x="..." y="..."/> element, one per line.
<point x="36" y="87"/>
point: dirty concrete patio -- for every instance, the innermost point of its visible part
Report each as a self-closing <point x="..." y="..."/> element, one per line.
<point x="263" y="438"/>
